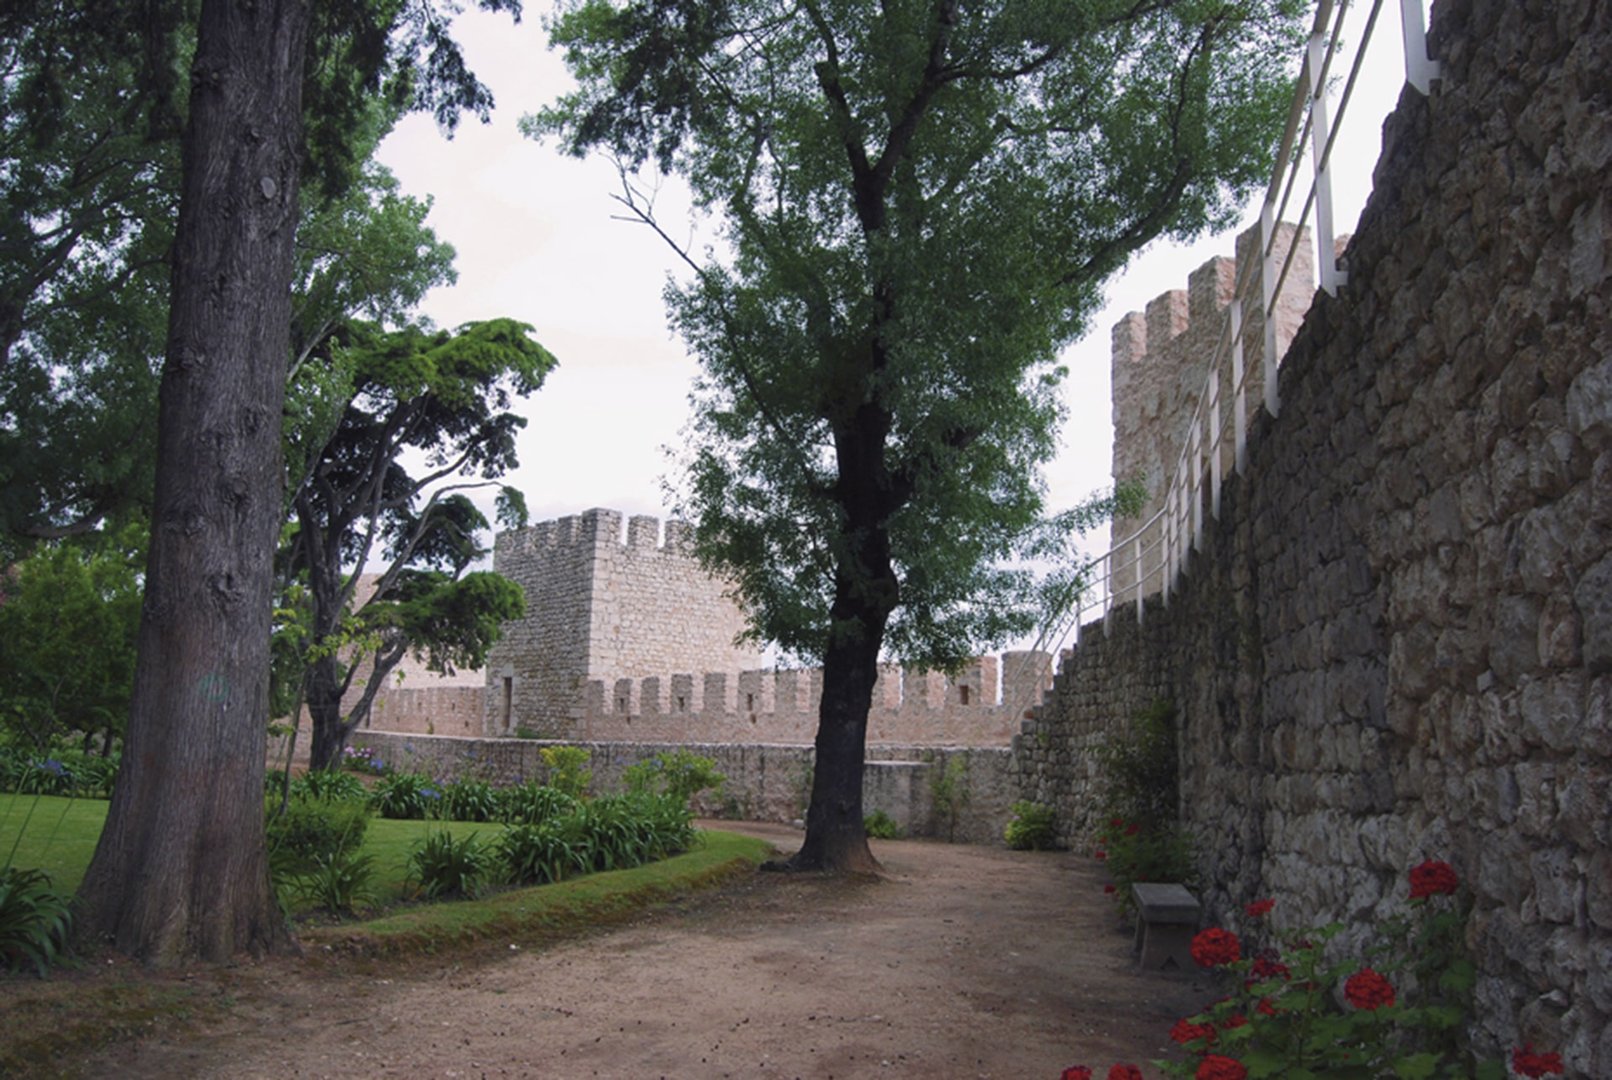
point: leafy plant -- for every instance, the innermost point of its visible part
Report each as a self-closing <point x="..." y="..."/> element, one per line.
<point x="568" y="769"/>
<point x="340" y="882"/>
<point x="468" y="800"/>
<point x="881" y="826"/>
<point x="444" y="867"/>
<point x="363" y="759"/>
<point x="309" y="830"/>
<point x="1033" y="828"/>
<point x="535" y="854"/>
<point x="1406" y="1004"/>
<point x="533" y="803"/>
<point x="948" y="791"/>
<point x="1133" y="853"/>
<point x="681" y="774"/>
<point x="408" y="796"/>
<point x="1140" y="770"/>
<point x="328" y="784"/>
<point x="34" y="920"/>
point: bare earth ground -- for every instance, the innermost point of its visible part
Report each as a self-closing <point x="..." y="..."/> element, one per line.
<point x="959" y="962"/>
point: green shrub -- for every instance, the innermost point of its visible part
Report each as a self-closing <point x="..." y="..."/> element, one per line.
<point x="533" y="803"/>
<point x="535" y="854"/>
<point x="328" y="784"/>
<point x="444" y="867"/>
<point x="1033" y="828"/>
<point x="405" y="796"/>
<point x="340" y="883"/>
<point x="681" y="774"/>
<point x="1134" y="852"/>
<point x="881" y="826"/>
<point x="312" y="829"/>
<point x="34" y="920"/>
<point x="948" y="790"/>
<point x="1139" y="769"/>
<point x="568" y="769"/>
<point x="468" y="800"/>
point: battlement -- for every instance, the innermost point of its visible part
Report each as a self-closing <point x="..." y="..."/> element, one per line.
<point x="980" y="706"/>
<point x="1162" y="356"/>
<point x="593" y="529"/>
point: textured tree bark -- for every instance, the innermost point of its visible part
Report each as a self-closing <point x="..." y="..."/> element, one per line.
<point x="180" y="872"/>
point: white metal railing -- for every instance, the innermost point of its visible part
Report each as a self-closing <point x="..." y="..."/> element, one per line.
<point x="1151" y="558"/>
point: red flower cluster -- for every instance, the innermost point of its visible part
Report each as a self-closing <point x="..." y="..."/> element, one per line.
<point x="1076" y="1072"/>
<point x="1185" y="1031"/>
<point x="1124" y="1072"/>
<point x="1366" y="989"/>
<point x="1259" y="909"/>
<point x="1528" y="1063"/>
<point x="1265" y="1008"/>
<point x="1216" y="1067"/>
<point x="1235" y="1020"/>
<point x="1432" y="878"/>
<point x="1132" y="829"/>
<point x="1213" y="947"/>
<point x="1101" y="854"/>
<point x="1267" y="967"/>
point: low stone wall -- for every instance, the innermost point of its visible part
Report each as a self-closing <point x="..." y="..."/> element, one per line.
<point x="764" y="782"/>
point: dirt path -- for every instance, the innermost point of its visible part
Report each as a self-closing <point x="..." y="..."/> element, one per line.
<point x="961" y="962"/>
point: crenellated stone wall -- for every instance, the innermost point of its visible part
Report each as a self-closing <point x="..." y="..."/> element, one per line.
<point x="1396" y="641"/>
<point x="602" y="607"/>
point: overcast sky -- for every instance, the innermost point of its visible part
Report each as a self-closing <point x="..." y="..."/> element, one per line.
<point x="537" y="240"/>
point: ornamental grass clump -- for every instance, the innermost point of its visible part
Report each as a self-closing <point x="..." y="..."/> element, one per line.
<point x="1401" y="1011"/>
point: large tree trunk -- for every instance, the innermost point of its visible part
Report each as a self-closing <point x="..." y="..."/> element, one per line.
<point x="180" y="872"/>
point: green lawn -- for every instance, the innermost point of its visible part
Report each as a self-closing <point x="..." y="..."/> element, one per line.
<point x="57" y="835"/>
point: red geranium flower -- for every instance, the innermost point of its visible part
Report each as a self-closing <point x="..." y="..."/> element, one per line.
<point x="1235" y="1020"/>
<point x="1215" y="946"/>
<point x="1108" y="888"/>
<point x="1124" y="1072"/>
<point x="1267" y="968"/>
<point x="1366" y="989"/>
<point x="1265" y="1008"/>
<point x="1432" y="878"/>
<point x="1132" y="829"/>
<point x="1528" y="1063"/>
<point x="1259" y="908"/>
<point x="1217" y="1067"/>
<point x="1101" y="854"/>
<point x="1185" y="1031"/>
<point x="1118" y="823"/>
<point x="1076" y="1072"/>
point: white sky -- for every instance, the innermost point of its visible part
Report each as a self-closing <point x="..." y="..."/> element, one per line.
<point x="536" y="241"/>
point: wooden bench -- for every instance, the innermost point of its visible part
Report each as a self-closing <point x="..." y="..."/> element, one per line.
<point x="1166" y="919"/>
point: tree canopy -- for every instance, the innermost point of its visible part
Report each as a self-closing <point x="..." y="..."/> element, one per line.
<point x="412" y="395"/>
<point x="919" y="202"/>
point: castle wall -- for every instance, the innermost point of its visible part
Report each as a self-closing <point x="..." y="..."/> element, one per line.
<point x="1396" y="642"/>
<point x="765" y="782"/>
<point x="981" y="706"/>
<point x="601" y="606"/>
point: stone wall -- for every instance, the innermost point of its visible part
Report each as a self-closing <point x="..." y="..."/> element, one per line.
<point x="1396" y="642"/>
<point x="602" y="607"/>
<point x="765" y="782"/>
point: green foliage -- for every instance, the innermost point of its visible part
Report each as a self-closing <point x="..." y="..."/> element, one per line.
<point x="1033" y="828"/>
<point x="533" y="803"/>
<point x="363" y="759"/>
<point x="68" y="618"/>
<point x="921" y="210"/>
<point x="949" y="792"/>
<point x="329" y="785"/>
<point x="1139" y="769"/>
<point x="410" y="796"/>
<point x="35" y="920"/>
<point x="568" y="771"/>
<point x="1401" y="1011"/>
<point x="680" y="774"/>
<point x="1133" y="852"/>
<point x="444" y="866"/>
<point x="340" y="883"/>
<point x="468" y="800"/>
<point x="309" y="830"/>
<point x="56" y="770"/>
<point x="881" y="826"/>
